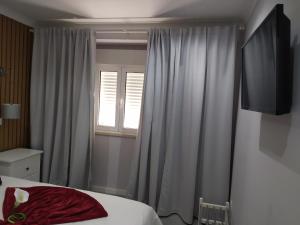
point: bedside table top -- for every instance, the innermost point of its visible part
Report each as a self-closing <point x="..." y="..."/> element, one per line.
<point x="16" y="154"/>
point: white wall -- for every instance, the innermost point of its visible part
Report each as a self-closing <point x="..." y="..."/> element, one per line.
<point x="111" y="164"/>
<point x="266" y="177"/>
<point x="112" y="155"/>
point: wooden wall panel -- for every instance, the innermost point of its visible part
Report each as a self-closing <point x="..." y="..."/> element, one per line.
<point x="15" y="56"/>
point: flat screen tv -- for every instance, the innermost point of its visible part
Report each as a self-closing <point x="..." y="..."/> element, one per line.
<point x="266" y="74"/>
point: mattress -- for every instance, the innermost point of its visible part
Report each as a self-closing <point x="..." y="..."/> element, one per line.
<point x="120" y="211"/>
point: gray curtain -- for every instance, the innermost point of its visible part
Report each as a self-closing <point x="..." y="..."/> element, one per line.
<point x="184" y="143"/>
<point x="61" y="107"/>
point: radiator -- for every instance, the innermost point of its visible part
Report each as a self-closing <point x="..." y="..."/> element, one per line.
<point x="212" y="214"/>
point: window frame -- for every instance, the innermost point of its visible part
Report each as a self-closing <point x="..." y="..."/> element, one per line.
<point x="122" y="70"/>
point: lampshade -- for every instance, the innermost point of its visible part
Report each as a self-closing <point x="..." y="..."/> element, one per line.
<point x="10" y="111"/>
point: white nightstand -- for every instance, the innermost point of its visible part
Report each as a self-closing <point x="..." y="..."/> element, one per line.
<point x="21" y="163"/>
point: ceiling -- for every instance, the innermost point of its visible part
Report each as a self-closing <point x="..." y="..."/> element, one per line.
<point x="45" y="10"/>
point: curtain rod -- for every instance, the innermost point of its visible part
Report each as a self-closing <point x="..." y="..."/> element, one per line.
<point x="120" y="31"/>
<point x="127" y="31"/>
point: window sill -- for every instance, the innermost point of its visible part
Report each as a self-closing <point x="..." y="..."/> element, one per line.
<point x="115" y="134"/>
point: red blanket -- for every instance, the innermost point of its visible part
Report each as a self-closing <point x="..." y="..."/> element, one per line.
<point x="53" y="205"/>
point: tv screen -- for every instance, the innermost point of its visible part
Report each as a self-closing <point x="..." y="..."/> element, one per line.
<point x="266" y="78"/>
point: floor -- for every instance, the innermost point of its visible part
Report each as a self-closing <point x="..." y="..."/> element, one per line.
<point x="175" y="220"/>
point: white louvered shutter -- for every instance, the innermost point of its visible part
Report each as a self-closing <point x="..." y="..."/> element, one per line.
<point x="108" y="99"/>
<point x="133" y="99"/>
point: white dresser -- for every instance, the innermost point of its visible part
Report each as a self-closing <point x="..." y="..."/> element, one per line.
<point x="21" y="163"/>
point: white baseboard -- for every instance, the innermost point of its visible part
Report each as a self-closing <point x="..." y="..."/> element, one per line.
<point x="109" y="190"/>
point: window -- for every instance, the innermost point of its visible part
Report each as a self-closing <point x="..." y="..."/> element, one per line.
<point x="119" y="93"/>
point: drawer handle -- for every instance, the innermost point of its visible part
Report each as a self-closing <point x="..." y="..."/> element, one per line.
<point x="27" y="168"/>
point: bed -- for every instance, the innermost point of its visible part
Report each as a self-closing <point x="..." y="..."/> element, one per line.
<point x="121" y="211"/>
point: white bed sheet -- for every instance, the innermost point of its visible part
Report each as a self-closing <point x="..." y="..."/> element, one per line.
<point x="120" y="211"/>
